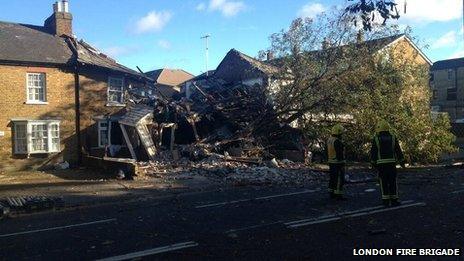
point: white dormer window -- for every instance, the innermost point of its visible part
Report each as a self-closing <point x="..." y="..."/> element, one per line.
<point x="115" y="91"/>
<point x="36" y="88"/>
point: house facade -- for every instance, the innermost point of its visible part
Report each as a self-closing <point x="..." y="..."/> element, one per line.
<point x="447" y="83"/>
<point x="60" y="95"/>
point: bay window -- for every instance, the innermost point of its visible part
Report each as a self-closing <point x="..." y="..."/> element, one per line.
<point x="36" y="137"/>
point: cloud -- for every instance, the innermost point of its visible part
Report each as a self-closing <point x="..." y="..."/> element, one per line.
<point x="153" y="22"/>
<point x="457" y="54"/>
<point x="226" y="7"/>
<point x="118" y="51"/>
<point x="311" y="10"/>
<point x="201" y="7"/>
<point x="164" y="44"/>
<point x="431" y="10"/>
<point x="447" y="40"/>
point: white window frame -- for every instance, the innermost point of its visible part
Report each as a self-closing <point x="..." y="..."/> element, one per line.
<point x="43" y="77"/>
<point x="107" y="129"/>
<point x="49" y="138"/>
<point x="115" y="103"/>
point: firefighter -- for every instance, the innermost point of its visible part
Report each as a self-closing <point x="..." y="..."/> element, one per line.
<point x="385" y="154"/>
<point x="336" y="160"/>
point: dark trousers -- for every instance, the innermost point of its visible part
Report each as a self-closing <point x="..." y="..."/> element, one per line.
<point x="388" y="181"/>
<point x="337" y="178"/>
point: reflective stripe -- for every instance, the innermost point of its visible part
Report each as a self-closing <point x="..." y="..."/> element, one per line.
<point x="331" y="152"/>
<point x="386" y="161"/>
<point x="336" y="161"/>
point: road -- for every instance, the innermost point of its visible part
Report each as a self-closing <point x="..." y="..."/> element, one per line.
<point x="249" y="223"/>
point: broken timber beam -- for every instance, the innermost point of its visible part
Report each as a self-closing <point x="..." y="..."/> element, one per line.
<point x="128" y="142"/>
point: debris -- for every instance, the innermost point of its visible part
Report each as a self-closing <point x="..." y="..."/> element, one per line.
<point x="4" y="211"/>
<point x="33" y="203"/>
<point x="120" y="175"/>
<point x="62" y="166"/>
<point x="274" y="163"/>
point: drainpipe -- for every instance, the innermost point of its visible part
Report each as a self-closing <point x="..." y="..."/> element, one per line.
<point x="78" y="113"/>
<point x="77" y="87"/>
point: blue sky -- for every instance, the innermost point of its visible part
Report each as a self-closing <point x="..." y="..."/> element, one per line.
<point x="153" y="34"/>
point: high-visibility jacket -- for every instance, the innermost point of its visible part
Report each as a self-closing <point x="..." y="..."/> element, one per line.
<point x="335" y="151"/>
<point x="386" y="149"/>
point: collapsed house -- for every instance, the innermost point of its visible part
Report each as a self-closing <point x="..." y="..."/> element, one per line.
<point x="227" y="112"/>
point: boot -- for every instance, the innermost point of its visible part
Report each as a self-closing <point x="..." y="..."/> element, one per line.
<point x="395" y="203"/>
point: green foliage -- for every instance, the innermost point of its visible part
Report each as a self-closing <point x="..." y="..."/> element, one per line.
<point x="356" y="85"/>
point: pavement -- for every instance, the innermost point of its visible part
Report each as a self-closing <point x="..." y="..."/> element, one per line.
<point x="82" y="188"/>
<point x="250" y="223"/>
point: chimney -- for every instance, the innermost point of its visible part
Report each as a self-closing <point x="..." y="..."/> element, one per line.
<point x="360" y="36"/>
<point x="270" y="56"/>
<point x="60" y="22"/>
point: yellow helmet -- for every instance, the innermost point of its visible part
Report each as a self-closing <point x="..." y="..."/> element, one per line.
<point x="382" y="125"/>
<point x="337" y="129"/>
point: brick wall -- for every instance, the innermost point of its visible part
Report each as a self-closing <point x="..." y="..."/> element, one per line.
<point x="93" y="100"/>
<point x="60" y="86"/>
<point x="60" y="98"/>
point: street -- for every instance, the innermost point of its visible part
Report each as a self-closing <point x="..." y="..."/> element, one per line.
<point x="250" y="223"/>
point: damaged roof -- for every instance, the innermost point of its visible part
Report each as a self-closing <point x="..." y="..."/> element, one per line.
<point x="170" y="77"/>
<point x="237" y="66"/>
<point x="90" y="55"/>
<point x="136" y="114"/>
<point x="23" y="43"/>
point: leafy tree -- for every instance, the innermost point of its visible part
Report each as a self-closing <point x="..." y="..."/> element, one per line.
<point x="329" y="75"/>
<point x="366" y="10"/>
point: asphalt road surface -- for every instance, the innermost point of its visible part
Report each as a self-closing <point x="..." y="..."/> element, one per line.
<point x="251" y="223"/>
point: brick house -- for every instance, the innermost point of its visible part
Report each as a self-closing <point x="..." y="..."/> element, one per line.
<point x="61" y="96"/>
<point x="447" y="81"/>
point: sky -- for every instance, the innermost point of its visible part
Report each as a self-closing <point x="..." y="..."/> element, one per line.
<point x="155" y="34"/>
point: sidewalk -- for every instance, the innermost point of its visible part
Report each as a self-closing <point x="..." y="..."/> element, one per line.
<point x="79" y="188"/>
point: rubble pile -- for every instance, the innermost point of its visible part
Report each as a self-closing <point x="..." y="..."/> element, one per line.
<point x="227" y="133"/>
<point x="232" y="170"/>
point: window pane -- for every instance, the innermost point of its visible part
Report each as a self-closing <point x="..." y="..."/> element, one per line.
<point x="36" y="86"/>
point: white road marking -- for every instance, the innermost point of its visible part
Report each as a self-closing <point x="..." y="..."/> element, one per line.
<point x="252" y="227"/>
<point x="458" y="191"/>
<point x="339" y="214"/>
<point x="150" y="252"/>
<point x="58" y="228"/>
<point x="288" y="194"/>
<point x="374" y="210"/>
<point x="259" y="198"/>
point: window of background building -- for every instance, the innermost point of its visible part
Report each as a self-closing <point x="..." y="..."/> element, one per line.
<point x="450" y="75"/>
<point x="452" y="94"/>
